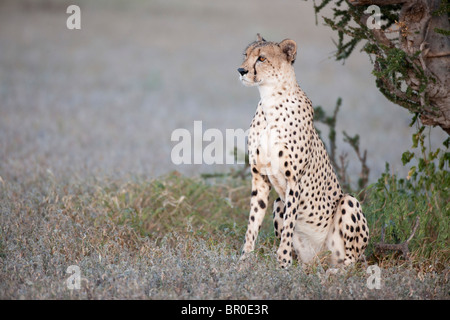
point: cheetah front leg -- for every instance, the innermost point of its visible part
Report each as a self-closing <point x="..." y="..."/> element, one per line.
<point x="284" y="252"/>
<point x="278" y="214"/>
<point x="258" y="206"/>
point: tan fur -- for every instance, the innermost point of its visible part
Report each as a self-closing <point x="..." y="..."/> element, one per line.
<point x="311" y="214"/>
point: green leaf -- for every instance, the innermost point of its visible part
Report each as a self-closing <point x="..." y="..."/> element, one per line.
<point x="422" y="164"/>
<point x="411" y="172"/>
<point x="446" y="143"/>
<point x="406" y="157"/>
<point x="415" y="140"/>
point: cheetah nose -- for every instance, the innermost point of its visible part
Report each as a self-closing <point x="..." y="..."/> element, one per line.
<point x="242" y="71"/>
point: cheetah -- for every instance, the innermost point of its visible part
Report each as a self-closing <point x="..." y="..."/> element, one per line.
<point x="311" y="214"/>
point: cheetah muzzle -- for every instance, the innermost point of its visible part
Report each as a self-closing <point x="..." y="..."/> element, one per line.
<point x="312" y="214"/>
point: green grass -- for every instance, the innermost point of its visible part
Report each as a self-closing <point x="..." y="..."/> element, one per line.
<point x="216" y="210"/>
<point x="173" y="203"/>
<point x="220" y="210"/>
<point x="394" y="205"/>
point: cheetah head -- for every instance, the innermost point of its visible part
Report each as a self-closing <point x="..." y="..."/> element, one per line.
<point x="266" y="62"/>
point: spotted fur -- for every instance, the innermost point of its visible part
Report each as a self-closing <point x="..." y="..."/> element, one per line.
<point x="312" y="214"/>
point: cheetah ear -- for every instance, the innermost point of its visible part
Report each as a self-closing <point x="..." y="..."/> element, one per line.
<point x="289" y="47"/>
<point x="259" y="38"/>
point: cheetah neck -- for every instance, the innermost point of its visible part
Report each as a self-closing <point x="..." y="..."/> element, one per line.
<point x="287" y="85"/>
<point x="286" y="93"/>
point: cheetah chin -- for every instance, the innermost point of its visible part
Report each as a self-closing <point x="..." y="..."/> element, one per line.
<point x="311" y="214"/>
<point x="249" y="83"/>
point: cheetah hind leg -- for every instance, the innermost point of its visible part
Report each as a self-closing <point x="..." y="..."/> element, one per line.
<point x="349" y="234"/>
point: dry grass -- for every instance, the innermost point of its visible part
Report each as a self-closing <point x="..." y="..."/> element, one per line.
<point x="169" y="238"/>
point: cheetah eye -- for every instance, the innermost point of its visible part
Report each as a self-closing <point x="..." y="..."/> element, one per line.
<point x="262" y="59"/>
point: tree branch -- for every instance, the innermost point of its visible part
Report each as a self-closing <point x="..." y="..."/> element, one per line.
<point x="403" y="247"/>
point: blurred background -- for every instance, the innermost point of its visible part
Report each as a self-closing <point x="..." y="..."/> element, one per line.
<point x="104" y="100"/>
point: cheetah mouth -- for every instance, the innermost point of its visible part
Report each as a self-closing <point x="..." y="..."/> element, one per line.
<point x="249" y="83"/>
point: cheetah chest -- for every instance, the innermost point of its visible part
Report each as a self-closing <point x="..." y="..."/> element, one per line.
<point x="264" y="148"/>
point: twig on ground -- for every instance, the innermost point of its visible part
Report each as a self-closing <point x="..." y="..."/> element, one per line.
<point x="403" y="247"/>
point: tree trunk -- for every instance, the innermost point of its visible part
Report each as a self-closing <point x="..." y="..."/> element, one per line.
<point x="417" y="31"/>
